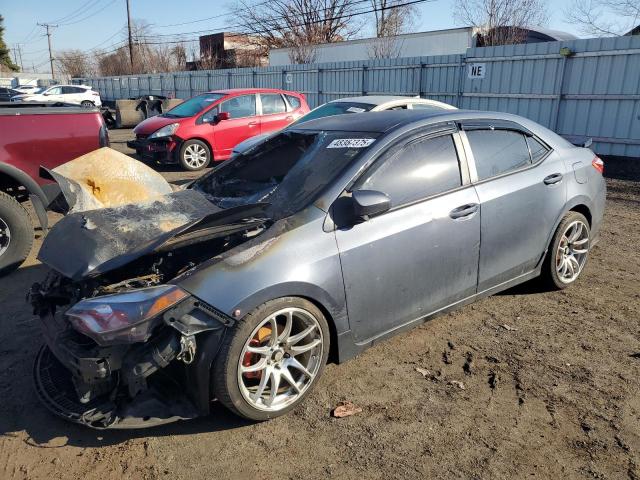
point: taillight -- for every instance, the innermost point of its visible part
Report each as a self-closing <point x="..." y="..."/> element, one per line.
<point x="95" y="94"/>
<point x="598" y="164"/>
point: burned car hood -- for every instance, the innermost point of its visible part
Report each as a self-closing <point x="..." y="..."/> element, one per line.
<point x="120" y="210"/>
<point x="93" y="242"/>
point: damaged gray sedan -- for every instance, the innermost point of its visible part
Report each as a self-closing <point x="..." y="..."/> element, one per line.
<point x="312" y="246"/>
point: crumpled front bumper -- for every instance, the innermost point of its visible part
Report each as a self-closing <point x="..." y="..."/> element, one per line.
<point x="161" y="150"/>
<point x="125" y="386"/>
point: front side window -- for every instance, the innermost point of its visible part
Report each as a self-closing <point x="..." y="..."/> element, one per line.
<point x="272" y="103"/>
<point x="55" y="91"/>
<point x="240" y="107"/>
<point x="498" y="151"/>
<point x="423" y="168"/>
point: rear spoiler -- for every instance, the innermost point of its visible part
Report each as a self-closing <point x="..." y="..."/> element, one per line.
<point x="579" y="141"/>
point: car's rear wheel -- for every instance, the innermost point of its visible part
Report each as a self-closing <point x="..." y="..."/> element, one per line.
<point x="16" y="234"/>
<point x="194" y="155"/>
<point x="568" y="252"/>
<point x="271" y="359"/>
<point x="87" y="104"/>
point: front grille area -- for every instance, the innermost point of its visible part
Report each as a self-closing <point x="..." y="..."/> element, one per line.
<point x="56" y="391"/>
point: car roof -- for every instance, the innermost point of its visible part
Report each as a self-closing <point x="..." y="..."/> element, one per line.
<point x="375" y="99"/>
<point x="235" y="91"/>
<point x="389" y="120"/>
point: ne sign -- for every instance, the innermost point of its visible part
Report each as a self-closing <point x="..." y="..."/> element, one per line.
<point x="477" y="70"/>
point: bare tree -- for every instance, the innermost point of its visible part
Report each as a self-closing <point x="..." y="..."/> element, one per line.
<point x="501" y="22"/>
<point x="75" y="63"/>
<point x="604" y="17"/>
<point x="392" y="18"/>
<point x="148" y="56"/>
<point x="296" y="24"/>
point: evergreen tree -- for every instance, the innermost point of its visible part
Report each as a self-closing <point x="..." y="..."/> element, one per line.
<point x="5" y="59"/>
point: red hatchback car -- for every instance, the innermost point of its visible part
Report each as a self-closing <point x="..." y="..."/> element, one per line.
<point x="208" y="126"/>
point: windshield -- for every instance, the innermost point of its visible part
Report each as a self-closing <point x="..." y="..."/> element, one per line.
<point x="193" y="106"/>
<point x="334" y="108"/>
<point x="288" y="171"/>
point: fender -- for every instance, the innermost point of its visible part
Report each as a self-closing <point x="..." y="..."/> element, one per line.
<point x="37" y="194"/>
<point x="309" y="291"/>
<point x="570" y="204"/>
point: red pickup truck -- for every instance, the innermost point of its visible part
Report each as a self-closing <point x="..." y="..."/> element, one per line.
<point x="35" y="136"/>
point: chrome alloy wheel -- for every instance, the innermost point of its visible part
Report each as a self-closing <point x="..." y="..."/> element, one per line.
<point x="281" y="359"/>
<point x="5" y="237"/>
<point x="195" y="155"/>
<point x="572" y="251"/>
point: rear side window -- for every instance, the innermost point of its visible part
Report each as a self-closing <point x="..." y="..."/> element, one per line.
<point x="293" y="101"/>
<point x="239" y="107"/>
<point x="537" y="149"/>
<point x="72" y="90"/>
<point x="498" y="151"/>
<point x="422" y="168"/>
<point x="272" y="103"/>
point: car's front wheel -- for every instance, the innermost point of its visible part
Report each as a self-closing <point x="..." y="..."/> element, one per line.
<point x="271" y="359"/>
<point x="568" y="252"/>
<point x="194" y="155"/>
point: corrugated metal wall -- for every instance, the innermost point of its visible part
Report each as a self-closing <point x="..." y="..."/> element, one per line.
<point x="593" y="92"/>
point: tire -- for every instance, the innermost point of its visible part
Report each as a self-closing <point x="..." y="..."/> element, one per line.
<point x="16" y="234"/>
<point x="87" y="104"/>
<point x="194" y="155"/>
<point x="563" y="246"/>
<point x="234" y="388"/>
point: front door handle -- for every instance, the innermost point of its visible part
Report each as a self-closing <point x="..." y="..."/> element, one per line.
<point x="464" y="211"/>
<point x="552" y="179"/>
<point x="253" y="124"/>
<point x="289" y="118"/>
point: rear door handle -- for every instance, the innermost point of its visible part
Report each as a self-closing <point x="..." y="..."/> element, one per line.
<point x="289" y="118"/>
<point x="464" y="210"/>
<point x="552" y="179"/>
<point x="253" y="124"/>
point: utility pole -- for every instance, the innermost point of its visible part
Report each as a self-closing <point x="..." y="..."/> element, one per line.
<point x="130" y="41"/>
<point x="48" y="26"/>
<point x="19" y="47"/>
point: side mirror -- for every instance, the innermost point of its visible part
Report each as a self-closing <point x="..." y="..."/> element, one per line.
<point x="223" y="116"/>
<point x="368" y="203"/>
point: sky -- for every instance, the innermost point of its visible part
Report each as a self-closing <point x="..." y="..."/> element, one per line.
<point x="86" y="24"/>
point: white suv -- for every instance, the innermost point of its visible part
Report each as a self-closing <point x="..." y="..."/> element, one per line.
<point x="77" y="94"/>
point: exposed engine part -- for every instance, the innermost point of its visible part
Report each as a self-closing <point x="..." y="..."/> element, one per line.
<point x="187" y="349"/>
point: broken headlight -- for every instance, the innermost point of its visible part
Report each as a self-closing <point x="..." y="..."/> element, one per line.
<point x="165" y="131"/>
<point x="124" y="317"/>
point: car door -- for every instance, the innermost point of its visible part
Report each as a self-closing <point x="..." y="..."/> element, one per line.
<point x="520" y="185"/>
<point x="74" y="94"/>
<point x="422" y="254"/>
<point x="54" y="94"/>
<point x="274" y="114"/>
<point x="242" y="124"/>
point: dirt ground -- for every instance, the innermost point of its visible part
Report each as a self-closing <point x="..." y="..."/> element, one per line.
<point x="551" y="390"/>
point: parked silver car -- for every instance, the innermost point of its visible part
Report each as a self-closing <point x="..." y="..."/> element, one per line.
<point x="319" y="243"/>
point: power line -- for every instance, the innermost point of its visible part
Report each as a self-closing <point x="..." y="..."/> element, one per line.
<point x="78" y="11"/>
<point x="89" y="16"/>
<point x="326" y="19"/>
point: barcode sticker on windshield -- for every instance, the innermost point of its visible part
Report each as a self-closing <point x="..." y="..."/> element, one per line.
<point x="355" y="110"/>
<point x="351" y="143"/>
